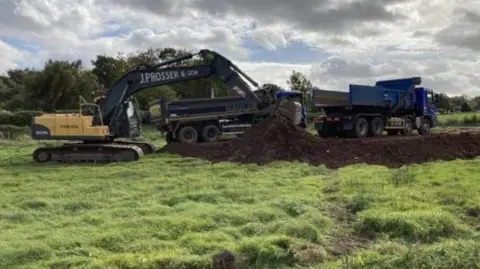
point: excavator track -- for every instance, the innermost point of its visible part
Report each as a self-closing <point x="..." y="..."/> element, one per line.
<point x="147" y="148"/>
<point x="83" y="152"/>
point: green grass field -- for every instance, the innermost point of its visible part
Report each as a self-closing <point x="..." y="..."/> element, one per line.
<point x="170" y="212"/>
<point x="459" y="119"/>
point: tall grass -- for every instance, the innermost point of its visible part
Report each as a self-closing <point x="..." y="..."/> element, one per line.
<point x="459" y="119"/>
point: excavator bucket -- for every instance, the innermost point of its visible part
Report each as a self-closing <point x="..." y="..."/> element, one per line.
<point x="291" y="110"/>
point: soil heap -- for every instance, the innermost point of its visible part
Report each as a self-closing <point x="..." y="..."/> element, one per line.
<point x="278" y="139"/>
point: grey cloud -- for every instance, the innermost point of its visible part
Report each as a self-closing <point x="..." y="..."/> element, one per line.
<point x="316" y="15"/>
<point x="340" y="41"/>
<point x="34" y="20"/>
<point x="159" y="7"/>
<point x="310" y="14"/>
<point x="10" y="20"/>
<point x="219" y="38"/>
<point x="468" y="15"/>
<point x="464" y="33"/>
<point x="441" y="84"/>
<point x="144" y="36"/>
<point x="336" y="66"/>
<point x="421" y="33"/>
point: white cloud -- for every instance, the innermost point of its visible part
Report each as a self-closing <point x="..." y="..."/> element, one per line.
<point x="366" y="40"/>
<point x="269" y="72"/>
<point x="271" y="39"/>
<point x="10" y="56"/>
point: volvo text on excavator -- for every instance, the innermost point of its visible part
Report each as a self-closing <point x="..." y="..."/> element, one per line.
<point x="103" y="132"/>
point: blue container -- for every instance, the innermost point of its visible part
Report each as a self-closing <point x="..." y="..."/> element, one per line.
<point x="386" y="93"/>
<point x="361" y="95"/>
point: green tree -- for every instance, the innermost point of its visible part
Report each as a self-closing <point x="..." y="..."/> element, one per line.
<point x="58" y="86"/>
<point x="465" y="107"/>
<point x="456" y="102"/>
<point x="443" y="102"/>
<point x="476" y="103"/>
<point x="271" y="87"/>
<point x="298" y="82"/>
<point x="12" y="89"/>
<point x="108" y="69"/>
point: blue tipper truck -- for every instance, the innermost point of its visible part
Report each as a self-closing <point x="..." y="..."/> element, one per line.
<point x="395" y="106"/>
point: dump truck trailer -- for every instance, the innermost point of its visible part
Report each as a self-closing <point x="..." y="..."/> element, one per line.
<point x="207" y="119"/>
<point x="395" y="106"/>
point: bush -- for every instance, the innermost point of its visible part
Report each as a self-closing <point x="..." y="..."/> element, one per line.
<point x="470" y="119"/>
<point x="24" y="118"/>
<point x="145" y="116"/>
<point x="20" y="118"/>
<point x="13" y="132"/>
<point x="5" y="117"/>
<point x="69" y="111"/>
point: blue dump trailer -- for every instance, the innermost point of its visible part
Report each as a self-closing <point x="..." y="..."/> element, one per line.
<point x="395" y="106"/>
<point x="210" y="118"/>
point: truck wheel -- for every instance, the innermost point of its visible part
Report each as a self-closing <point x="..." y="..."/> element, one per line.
<point x="169" y="137"/>
<point x="408" y="130"/>
<point x="188" y="135"/>
<point x="361" y="127"/>
<point x="425" y="129"/>
<point x="325" y="132"/>
<point x="376" y="126"/>
<point x="210" y="133"/>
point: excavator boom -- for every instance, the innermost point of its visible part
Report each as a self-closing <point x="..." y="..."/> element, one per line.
<point x="159" y="75"/>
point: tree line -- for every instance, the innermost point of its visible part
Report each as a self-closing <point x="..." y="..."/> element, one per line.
<point x="58" y="85"/>
<point x="461" y="103"/>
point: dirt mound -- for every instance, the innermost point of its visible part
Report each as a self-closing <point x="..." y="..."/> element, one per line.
<point x="277" y="139"/>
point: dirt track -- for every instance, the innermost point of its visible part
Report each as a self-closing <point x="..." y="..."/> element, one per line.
<point x="279" y="140"/>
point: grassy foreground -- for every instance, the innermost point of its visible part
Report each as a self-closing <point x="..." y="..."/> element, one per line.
<point x="170" y="212"/>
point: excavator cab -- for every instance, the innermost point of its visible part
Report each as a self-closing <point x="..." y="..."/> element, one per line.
<point x="133" y="117"/>
<point x="93" y="110"/>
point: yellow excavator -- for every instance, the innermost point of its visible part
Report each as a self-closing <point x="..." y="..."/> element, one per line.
<point x="105" y="131"/>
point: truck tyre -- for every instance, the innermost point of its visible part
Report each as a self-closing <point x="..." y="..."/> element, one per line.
<point x="361" y="127"/>
<point x="324" y="132"/>
<point x="425" y="128"/>
<point x="376" y="126"/>
<point x="188" y="135"/>
<point x="210" y="133"/>
<point x="169" y="137"/>
<point x="408" y="130"/>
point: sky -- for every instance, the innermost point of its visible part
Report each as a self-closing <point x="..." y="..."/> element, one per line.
<point x="334" y="43"/>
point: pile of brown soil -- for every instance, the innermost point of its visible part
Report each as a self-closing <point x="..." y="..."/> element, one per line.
<point x="277" y="139"/>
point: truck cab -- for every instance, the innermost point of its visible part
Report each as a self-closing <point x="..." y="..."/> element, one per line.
<point x="426" y="107"/>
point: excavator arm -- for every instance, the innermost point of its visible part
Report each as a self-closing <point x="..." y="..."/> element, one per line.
<point x="160" y="75"/>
